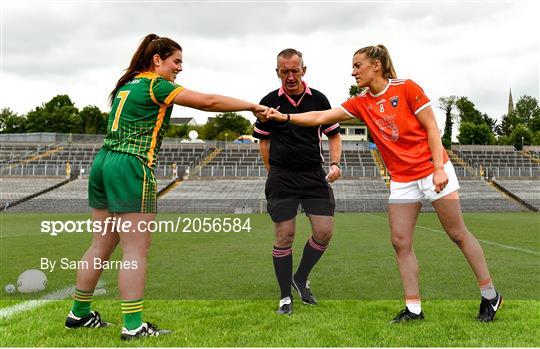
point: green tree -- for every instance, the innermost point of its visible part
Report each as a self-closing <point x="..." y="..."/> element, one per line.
<point x="504" y="140"/>
<point x="536" y="138"/>
<point x="228" y="135"/>
<point x="468" y="112"/>
<point x="232" y="122"/>
<point x="492" y="123"/>
<point x="93" y="120"/>
<point x="470" y="133"/>
<point x="521" y="136"/>
<point x="57" y="115"/>
<point x="447" y="104"/>
<point x="505" y="128"/>
<point x="177" y="131"/>
<point x="354" y="90"/>
<point x="11" y="122"/>
<point x="527" y="112"/>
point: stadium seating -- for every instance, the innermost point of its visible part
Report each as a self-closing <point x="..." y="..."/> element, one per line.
<point x="229" y="196"/>
<point x="245" y="161"/>
<point x="214" y="187"/>
<point x="477" y="195"/>
<point x="14" y="189"/>
<point x="51" y="161"/>
<point x="526" y="190"/>
<point x="71" y="197"/>
<point x="223" y="196"/>
<point x="499" y="161"/>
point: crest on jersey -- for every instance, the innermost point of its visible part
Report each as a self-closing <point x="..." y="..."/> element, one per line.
<point x="394" y="101"/>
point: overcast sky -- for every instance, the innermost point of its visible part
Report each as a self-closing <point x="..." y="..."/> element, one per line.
<point x="475" y="49"/>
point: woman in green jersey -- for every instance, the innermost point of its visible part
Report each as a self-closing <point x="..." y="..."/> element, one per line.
<point x="122" y="184"/>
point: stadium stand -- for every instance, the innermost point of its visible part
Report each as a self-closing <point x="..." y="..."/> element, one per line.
<point x="47" y="161"/>
<point x="359" y="163"/>
<point x="527" y="191"/>
<point x="367" y="195"/>
<point x="213" y="184"/>
<point x="71" y="197"/>
<point x="15" y="189"/>
<point x="13" y="152"/>
<point x="477" y="195"/>
<point x="245" y="161"/>
<point x="229" y="196"/>
<point x="221" y="195"/>
<point x="532" y="151"/>
<point x="235" y="161"/>
<point x="498" y="161"/>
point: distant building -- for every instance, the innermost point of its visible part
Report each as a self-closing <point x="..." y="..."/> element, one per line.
<point x="510" y="103"/>
<point x="353" y="130"/>
<point x="183" y="121"/>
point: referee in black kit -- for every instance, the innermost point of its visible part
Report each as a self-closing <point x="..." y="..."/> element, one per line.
<point x="293" y="156"/>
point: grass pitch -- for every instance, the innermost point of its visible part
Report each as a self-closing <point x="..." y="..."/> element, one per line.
<point x="218" y="289"/>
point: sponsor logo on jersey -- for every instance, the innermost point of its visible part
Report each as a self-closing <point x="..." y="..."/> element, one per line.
<point x="388" y="128"/>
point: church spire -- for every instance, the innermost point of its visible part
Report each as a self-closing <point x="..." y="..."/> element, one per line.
<point x="510" y="103"/>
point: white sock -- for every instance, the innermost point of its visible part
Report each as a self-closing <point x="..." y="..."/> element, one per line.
<point x="414" y="305"/>
<point x="487" y="289"/>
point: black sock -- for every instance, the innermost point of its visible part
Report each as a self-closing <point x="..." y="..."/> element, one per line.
<point x="313" y="251"/>
<point x="282" y="257"/>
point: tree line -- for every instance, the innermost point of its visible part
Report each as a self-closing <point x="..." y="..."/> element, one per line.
<point x="519" y="127"/>
<point x="60" y="115"/>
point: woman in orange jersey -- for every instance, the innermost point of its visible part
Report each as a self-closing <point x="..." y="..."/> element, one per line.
<point x="401" y="121"/>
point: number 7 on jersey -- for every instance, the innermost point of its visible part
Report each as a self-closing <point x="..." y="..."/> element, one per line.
<point x="123" y="95"/>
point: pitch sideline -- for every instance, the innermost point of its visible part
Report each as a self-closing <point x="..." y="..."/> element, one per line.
<point x="487" y="242"/>
<point x="6" y="313"/>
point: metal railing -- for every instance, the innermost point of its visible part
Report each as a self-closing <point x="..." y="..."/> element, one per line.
<point x="166" y="171"/>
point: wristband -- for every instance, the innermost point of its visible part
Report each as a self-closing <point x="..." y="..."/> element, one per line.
<point x="335" y="163"/>
<point x="288" y="118"/>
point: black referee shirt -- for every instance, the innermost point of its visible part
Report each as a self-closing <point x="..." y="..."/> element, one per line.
<point x="292" y="146"/>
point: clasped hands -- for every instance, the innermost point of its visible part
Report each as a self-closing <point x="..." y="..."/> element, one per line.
<point x="263" y="114"/>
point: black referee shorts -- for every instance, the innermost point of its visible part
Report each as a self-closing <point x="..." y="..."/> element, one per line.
<point x="286" y="189"/>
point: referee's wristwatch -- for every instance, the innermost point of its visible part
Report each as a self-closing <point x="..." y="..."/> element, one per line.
<point x="336" y="164"/>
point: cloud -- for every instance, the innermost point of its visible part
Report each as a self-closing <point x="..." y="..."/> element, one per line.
<point x="475" y="49"/>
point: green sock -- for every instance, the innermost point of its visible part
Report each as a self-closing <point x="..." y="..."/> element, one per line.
<point x="81" y="302"/>
<point x="132" y="313"/>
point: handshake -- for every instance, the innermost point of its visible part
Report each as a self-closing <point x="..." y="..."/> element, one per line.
<point x="263" y="114"/>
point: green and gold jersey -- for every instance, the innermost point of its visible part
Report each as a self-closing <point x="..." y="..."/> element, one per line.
<point x="140" y="116"/>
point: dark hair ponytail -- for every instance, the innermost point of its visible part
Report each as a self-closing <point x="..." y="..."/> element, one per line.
<point x="142" y="59"/>
<point x="381" y="54"/>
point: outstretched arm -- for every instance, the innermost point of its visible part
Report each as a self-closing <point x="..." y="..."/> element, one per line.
<point x="218" y="103"/>
<point x="312" y="118"/>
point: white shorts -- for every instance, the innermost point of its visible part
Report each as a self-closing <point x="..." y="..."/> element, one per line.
<point x="415" y="191"/>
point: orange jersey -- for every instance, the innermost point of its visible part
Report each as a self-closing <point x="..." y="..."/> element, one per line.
<point x="390" y="116"/>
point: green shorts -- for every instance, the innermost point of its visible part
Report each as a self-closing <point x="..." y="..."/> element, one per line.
<point x="121" y="182"/>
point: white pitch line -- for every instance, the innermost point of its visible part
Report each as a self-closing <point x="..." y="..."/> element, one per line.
<point x="487" y="242"/>
<point x="63" y="293"/>
<point x="8" y="312"/>
<point x="509" y="247"/>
